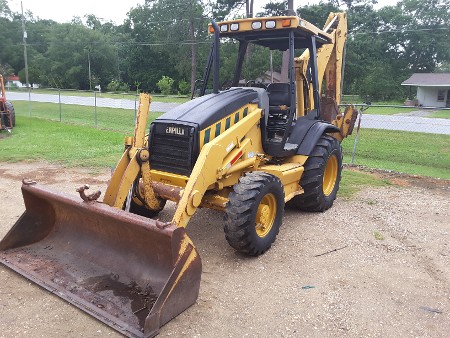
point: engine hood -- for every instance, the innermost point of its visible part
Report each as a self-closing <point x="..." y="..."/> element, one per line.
<point x="206" y="110"/>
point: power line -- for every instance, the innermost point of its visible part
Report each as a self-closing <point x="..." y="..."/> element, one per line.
<point x="135" y="43"/>
<point x="401" y="31"/>
<point x="190" y="42"/>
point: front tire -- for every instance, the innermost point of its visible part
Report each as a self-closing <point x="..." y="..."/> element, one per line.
<point x="137" y="205"/>
<point x="141" y="210"/>
<point x="254" y="213"/>
<point x="321" y="178"/>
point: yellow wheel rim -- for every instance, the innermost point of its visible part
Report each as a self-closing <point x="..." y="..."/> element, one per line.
<point x="330" y="175"/>
<point x="265" y="216"/>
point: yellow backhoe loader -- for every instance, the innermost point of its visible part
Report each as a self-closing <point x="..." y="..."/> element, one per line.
<point x="246" y="151"/>
<point x="7" y="113"/>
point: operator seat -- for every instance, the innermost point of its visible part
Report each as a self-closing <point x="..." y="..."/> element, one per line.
<point x="279" y="108"/>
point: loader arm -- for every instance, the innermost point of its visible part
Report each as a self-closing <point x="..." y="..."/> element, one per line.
<point x="130" y="165"/>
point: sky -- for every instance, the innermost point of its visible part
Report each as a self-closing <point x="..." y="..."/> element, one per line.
<point x="109" y="10"/>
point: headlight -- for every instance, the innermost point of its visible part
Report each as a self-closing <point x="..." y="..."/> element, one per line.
<point x="224" y="28"/>
<point x="234" y="27"/>
<point x="270" y="24"/>
<point x="256" y="24"/>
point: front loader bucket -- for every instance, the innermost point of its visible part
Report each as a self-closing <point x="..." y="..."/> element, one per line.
<point x="132" y="273"/>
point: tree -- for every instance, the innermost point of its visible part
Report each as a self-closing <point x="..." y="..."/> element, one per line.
<point x="173" y="27"/>
<point x="70" y="49"/>
<point x="4" y="9"/>
<point x="33" y="75"/>
<point x="6" y="70"/>
<point x="273" y="9"/>
<point x="417" y="40"/>
<point x="317" y="14"/>
<point x="222" y="8"/>
<point x="165" y="84"/>
<point x="392" y="43"/>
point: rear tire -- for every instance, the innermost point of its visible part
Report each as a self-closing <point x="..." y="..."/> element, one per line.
<point x="254" y="213"/>
<point x="10" y="120"/>
<point x="321" y="178"/>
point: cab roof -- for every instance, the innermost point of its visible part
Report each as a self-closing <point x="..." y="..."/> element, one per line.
<point x="272" y="32"/>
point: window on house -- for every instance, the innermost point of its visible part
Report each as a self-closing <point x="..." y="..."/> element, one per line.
<point x="441" y="95"/>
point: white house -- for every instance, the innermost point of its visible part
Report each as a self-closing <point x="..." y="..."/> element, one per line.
<point x="13" y="81"/>
<point x="433" y="89"/>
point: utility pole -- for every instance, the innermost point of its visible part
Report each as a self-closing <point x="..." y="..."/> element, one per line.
<point x="89" y="65"/>
<point x="25" y="55"/>
<point x="285" y="60"/>
<point x="118" y="62"/>
<point x="271" y="66"/>
<point x="249" y="8"/>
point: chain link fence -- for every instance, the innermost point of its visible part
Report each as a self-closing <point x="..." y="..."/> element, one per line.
<point x="401" y="138"/>
<point x="392" y="137"/>
<point x="112" y="111"/>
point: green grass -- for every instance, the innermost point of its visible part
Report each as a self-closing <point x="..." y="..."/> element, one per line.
<point x="378" y="235"/>
<point x="389" y="110"/>
<point x="355" y="99"/>
<point x="71" y="145"/>
<point x="74" y="145"/>
<point x="354" y="181"/>
<point x="442" y="114"/>
<point x="408" y="152"/>
<point x="105" y="118"/>
<point x="126" y="96"/>
<point x="170" y="98"/>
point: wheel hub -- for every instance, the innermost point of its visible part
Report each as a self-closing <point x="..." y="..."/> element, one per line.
<point x="265" y="215"/>
<point x="330" y="175"/>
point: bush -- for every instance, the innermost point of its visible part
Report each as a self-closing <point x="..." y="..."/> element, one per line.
<point x="185" y="87"/>
<point x="117" y="86"/>
<point x="165" y="84"/>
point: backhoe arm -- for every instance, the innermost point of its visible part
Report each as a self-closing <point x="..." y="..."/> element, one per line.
<point x="330" y="60"/>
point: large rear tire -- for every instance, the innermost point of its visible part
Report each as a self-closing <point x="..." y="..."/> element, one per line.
<point x="10" y="120"/>
<point x="254" y="213"/>
<point x="321" y="178"/>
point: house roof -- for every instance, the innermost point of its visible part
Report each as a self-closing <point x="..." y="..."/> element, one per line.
<point x="13" y="78"/>
<point x="267" y="77"/>
<point x="428" y="80"/>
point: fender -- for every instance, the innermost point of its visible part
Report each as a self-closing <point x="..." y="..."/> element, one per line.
<point x="308" y="134"/>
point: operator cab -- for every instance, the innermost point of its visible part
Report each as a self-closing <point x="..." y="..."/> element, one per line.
<point x="282" y="122"/>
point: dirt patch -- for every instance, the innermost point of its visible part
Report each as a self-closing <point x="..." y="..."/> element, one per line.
<point x="405" y="180"/>
<point x="374" y="265"/>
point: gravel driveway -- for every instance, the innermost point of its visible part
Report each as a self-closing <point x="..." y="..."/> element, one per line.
<point x="374" y="265"/>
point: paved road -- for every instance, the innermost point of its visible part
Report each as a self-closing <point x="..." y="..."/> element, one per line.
<point x="388" y="122"/>
<point x="90" y="101"/>
<point x="406" y="123"/>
